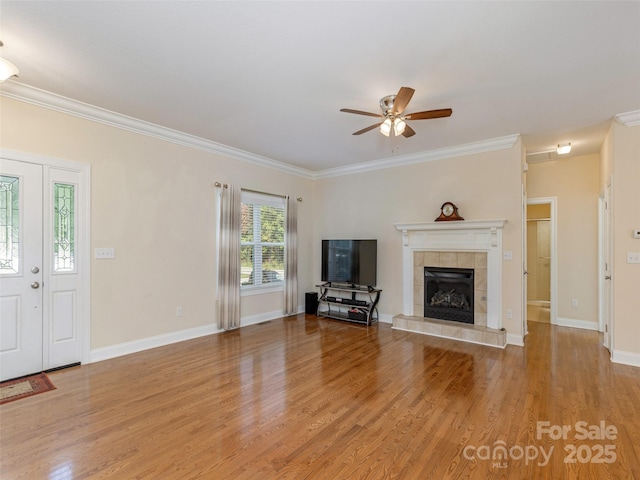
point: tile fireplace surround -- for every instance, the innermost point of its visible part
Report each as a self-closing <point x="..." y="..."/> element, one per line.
<point x="464" y="244"/>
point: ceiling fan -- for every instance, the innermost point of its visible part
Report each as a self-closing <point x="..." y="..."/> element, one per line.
<point x="392" y="107"/>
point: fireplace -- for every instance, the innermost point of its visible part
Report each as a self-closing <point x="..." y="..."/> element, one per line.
<point x="449" y="293"/>
<point x="475" y="245"/>
<point x="465" y="244"/>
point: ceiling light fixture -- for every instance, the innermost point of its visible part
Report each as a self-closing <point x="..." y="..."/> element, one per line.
<point x="7" y="69"/>
<point x="398" y="126"/>
<point x="385" y="127"/>
<point x="563" y="148"/>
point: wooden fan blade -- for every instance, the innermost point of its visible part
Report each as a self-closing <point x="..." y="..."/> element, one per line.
<point x="359" y="112"/>
<point x="408" y="132"/>
<point x="402" y="99"/>
<point x="444" y="112"/>
<point x="365" y="130"/>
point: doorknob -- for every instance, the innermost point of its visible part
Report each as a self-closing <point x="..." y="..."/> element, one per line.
<point x="35" y="285"/>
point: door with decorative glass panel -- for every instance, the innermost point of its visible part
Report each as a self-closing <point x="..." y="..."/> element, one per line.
<point x="39" y="277"/>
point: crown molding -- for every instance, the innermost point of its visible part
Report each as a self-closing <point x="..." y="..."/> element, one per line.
<point x="629" y="119"/>
<point x="52" y="101"/>
<point x="421" y="157"/>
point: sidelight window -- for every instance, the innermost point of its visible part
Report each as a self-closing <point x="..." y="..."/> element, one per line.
<point x="64" y="235"/>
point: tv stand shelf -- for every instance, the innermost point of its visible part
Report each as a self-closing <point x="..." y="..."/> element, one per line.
<point x="351" y="303"/>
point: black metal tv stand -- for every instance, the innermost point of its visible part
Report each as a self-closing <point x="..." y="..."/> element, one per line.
<point x="351" y="303"/>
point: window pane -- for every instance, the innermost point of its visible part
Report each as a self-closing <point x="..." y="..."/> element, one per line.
<point x="246" y="265"/>
<point x="272" y="230"/>
<point x="246" y="235"/>
<point x="9" y="224"/>
<point x="63" y="227"/>
<point x="272" y="264"/>
<point x="262" y="239"/>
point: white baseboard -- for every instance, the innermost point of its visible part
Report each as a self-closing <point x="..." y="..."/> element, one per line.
<point x="264" y="317"/>
<point x="113" y="351"/>
<point x="105" y="353"/>
<point x="626" y="358"/>
<point x="515" y="339"/>
<point x="539" y="303"/>
<point x="576" y="323"/>
<point x="385" y="318"/>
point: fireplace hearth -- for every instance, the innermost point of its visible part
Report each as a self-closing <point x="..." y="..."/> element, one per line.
<point x="448" y="294"/>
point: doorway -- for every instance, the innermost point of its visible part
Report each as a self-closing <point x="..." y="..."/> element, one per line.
<point x="44" y="264"/>
<point x="541" y="260"/>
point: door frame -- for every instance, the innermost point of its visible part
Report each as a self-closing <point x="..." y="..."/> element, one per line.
<point x="83" y="235"/>
<point x="605" y="255"/>
<point x="553" y="210"/>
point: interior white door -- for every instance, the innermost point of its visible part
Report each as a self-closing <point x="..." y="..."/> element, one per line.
<point x="21" y="276"/>
<point x="525" y="267"/>
<point x="607" y="282"/>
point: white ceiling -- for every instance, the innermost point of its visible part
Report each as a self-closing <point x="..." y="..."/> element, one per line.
<point x="269" y="78"/>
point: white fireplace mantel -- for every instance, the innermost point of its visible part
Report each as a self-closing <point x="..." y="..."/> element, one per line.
<point x="456" y="236"/>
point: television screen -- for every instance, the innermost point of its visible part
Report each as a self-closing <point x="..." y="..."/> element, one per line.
<point x="353" y="262"/>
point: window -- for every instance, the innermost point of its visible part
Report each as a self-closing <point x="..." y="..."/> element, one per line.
<point x="262" y="240"/>
<point x="64" y="235"/>
<point x="9" y="224"/>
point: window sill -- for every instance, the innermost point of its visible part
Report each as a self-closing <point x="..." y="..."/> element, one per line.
<point x="247" y="291"/>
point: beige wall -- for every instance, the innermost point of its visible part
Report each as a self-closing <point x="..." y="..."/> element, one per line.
<point x="624" y="148"/>
<point x="151" y="198"/>
<point x="484" y="186"/>
<point x="154" y="202"/>
<point x="575" y="183"/>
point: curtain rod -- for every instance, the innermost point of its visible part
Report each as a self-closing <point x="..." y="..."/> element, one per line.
<point x="218" y="184"/>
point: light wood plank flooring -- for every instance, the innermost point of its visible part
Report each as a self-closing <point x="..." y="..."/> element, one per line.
<point x="538" y="313"/>
<point x="308" y="398"/>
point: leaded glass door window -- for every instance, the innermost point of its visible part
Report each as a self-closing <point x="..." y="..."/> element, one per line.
<point x="64" y="227"/>
<point x="9" y="224"/>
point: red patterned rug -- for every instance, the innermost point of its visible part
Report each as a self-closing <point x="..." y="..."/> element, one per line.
<point x="24" y="387"/>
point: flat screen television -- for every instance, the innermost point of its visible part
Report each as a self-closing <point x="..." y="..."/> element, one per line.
<point x="352" y="262"/>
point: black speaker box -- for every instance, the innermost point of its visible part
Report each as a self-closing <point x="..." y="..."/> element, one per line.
<point x="310" y="303"/>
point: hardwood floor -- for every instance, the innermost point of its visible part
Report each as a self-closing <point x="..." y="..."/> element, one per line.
<point x="308" y="398"/>
<point x="538" y="313"/>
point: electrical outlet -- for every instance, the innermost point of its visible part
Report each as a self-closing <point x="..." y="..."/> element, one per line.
<point x="179" y="312"/>
<point x="574" y="302"/>
<point x="105" y="252"/>
<point x="509" y="313"/>
<point x="508" y="255"/>
<point x="633" y="257"/>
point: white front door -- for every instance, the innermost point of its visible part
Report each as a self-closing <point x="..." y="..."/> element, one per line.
<point x="21" y="269"/>
<point x="43" y="265"/>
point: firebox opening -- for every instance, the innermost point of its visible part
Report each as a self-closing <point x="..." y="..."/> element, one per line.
<point x="448" y="294"/>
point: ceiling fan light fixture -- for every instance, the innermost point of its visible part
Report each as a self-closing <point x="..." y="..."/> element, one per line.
<point x="7" y="69"/>
<point x="563" y="148"/>
<point x="385" y="127"/>
<point x="398" y="126"/>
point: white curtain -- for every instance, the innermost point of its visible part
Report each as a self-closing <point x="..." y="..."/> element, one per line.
<point x="291" y="258"/>
<point x="229" y="259"/>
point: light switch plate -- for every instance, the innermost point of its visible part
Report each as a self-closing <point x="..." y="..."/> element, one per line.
<point x="508" y="255"/>
<point x="105" y="253"/>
